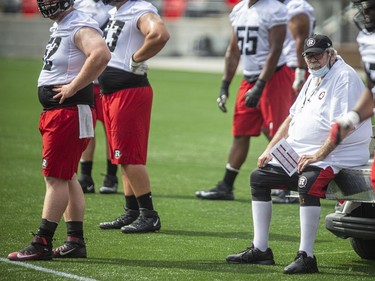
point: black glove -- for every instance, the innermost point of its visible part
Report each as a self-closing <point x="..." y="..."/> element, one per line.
<point x="223" y="96"/>
<point x="252" y="97"/>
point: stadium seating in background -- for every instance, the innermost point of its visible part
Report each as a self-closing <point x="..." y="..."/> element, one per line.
<point x="29" y="7"/>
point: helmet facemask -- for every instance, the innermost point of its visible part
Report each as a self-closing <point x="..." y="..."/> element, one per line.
<point x="51" y="8"/>
<point x="361" y="19"/>
<point x="111" y="2"/>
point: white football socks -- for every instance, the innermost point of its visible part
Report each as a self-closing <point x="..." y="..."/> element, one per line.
<point x="309" y="223"/>
<point x="262" y="212"/>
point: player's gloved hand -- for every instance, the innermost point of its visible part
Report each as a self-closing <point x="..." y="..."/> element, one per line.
<point x="342" y="126"/>
<point x="299" y="79"/>
<point x="139" y="68"/>
<point x="252" y="97"/>
<point x="223" y="96"/>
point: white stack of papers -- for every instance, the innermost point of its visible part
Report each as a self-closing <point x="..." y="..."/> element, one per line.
<point x="285" y="155"/>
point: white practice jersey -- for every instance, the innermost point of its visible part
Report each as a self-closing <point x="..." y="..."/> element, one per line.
<point x="96" y="10"/>
<point x="296" y="7"/>
<point x="366" y="42"/>
<point x="62" y="59"/>
<point x="122" y="34"/>
<point x="252" y="26"/>
<point x="318" y="107"/>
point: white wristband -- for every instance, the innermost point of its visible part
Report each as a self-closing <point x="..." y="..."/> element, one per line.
<point x="299" y="77"/>
<point x="351" y="119"/>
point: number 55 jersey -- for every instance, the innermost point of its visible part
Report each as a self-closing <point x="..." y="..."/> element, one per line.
<point x="252" y="25"/>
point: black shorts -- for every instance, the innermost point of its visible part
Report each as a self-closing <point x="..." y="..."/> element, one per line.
<point x="312" y="181"/>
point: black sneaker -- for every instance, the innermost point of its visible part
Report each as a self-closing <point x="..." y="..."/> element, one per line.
<point x="110" y="185"/>
<point x="302" y="264"/>
<point x="252" y="255"/>
<point x="39" y="249"/>
<point x="73" y="247"/>
<point x="285" y="197"/>
<point x="221" y="191"/>
<point x="125" y="219"/>
<point x="148" y="221"/>
<point x="87" y="183"/>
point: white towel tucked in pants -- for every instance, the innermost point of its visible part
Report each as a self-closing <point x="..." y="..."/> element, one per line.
<point x="86" y="127"/>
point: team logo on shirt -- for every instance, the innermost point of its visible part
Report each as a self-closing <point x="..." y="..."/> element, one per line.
<point x="117" y="153"/>
<point x="321" y="95"/>
<point x="44" y="163"/>
<point x="310" y="42"/>
<point x="302" y="181"/>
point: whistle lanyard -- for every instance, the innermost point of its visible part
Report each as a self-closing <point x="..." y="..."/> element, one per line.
<point x="311" y="95"/>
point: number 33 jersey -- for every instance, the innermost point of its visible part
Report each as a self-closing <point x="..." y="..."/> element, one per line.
<point x="122" y="34"/>
<point x="251" y="26"/>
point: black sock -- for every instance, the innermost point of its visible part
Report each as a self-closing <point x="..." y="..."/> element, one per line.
<point x="111" y="168"/>
<point x="75" y="229"/>
<point x="86" y="167"/>
<point x="47" y="230"/>
<point x="230" y="177"/>
<point x="131" y="202"/>
<point x="145" y="201"/>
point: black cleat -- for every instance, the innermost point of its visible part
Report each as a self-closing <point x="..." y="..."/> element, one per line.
<point x="73" y="247"/>
<point x="148" y="221"/>
<point x="39" y="249"/>
<point x="87" y="183"/>
<point x="110" y="185"/>
<point x="302" y="264"/>
<point x="221" y="191"/>
<point x="252" y="255"/>
<point x="284" y="197"/>
<point x="127" y="218"/>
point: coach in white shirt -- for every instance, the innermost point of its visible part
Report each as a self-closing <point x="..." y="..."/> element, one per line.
<point x="330" y="91"/>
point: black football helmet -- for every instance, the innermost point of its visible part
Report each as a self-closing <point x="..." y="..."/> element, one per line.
<point x="50" y="8"/>
<point x="362" y="19"/>
<point x="108" y="2"/>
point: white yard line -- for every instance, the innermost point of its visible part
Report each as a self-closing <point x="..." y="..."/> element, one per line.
<point x="47" y="270"/>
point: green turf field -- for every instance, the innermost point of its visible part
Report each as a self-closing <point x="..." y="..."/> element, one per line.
<point x="189" y="143"/>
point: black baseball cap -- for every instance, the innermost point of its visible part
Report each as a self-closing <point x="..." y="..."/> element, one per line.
<point x="316" y="44"/>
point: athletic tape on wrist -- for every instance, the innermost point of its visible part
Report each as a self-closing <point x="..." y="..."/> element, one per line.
<point x="300" y="74"/>
<point x="353" y="117"/>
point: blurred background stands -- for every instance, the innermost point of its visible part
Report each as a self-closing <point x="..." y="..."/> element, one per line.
<point x="199" y="28"/>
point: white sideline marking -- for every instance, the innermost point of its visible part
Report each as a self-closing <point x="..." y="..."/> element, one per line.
<point x="55" y="272"/>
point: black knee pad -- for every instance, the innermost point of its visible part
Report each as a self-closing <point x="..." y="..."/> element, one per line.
<point x="260" y="193"/>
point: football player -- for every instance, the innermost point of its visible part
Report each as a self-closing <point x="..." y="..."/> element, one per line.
<point x="75" y="56"/>
<point x="263" y="99"/>
<point x="365" y="21"/>
<point x="99" y="12"/>
<point x="134" y="34"/>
